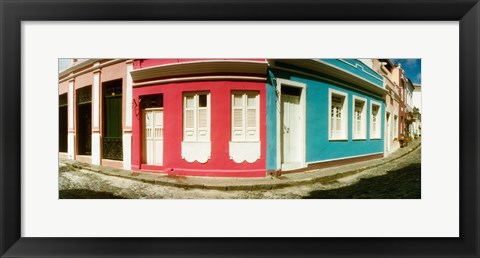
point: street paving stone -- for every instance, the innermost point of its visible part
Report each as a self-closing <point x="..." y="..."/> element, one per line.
<point x="396" y="176"/>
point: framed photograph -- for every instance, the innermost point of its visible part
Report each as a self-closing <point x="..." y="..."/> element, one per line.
<point x="117" y="117"/>
<point x="174" y="106"/>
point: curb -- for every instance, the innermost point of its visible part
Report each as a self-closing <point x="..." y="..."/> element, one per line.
<point x="153" y="178"/>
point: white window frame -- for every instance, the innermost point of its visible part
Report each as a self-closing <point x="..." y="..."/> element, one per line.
<point x="196" y="137"/>
<point x="245" y="137"/>
<point x="378" y="118"/>
<point x="343" y="134"/>
<point x="363" y="124"/>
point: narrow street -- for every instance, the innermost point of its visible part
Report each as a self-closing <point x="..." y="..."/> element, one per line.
<point x="400" y="179"/>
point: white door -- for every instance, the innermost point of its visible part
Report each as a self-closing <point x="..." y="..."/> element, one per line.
<point x="291" y="134"/>
<point x="153" y="136"/>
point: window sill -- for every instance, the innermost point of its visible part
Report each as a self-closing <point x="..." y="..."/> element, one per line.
<point x="196" y="151"/>
<point x="338" y="139"/>
<point x="375" y="138"/>
<point x="360" y="139"/>
<point x="244" y="151"/>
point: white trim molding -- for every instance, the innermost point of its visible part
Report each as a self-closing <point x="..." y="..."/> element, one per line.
<point x="202" y="78"/>
<point x="363" y="70"/>
<point x="343" y="135"/>
<point x="363" y="122"/>
<point x="71" y="145"/>
<point x="324" y="68"/>
<point x="96" y="149"/>
<point x="127" y="151"/>
<point x="96" y="100"/>
<point x="378" y="124"/>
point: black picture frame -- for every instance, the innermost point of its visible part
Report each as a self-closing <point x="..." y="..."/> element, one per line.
<point x="12" y="13"/>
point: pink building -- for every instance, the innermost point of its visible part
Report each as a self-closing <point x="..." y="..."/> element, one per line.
<point x="199" y="117"/>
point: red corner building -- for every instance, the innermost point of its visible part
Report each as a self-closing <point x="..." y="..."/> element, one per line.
<point x="199" y="117"/>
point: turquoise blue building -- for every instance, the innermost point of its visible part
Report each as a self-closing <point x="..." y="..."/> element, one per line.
<point x="323" y="111"/>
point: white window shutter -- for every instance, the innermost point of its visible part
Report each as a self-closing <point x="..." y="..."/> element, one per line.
<point x="359" y="126"/>
<point x="202" y="132"/>
<point x="336" y="119"/>
<point x="245" y="114"/>
<point x="196" y="124"/>
<point x="189" y="118"/>
<point x="252" y="117"/>
<point x="238" y="128"/>
<point x="252" y="127"/>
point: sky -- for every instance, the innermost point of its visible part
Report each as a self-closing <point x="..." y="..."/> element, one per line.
<point x="412" y="68"/>
<point x="63" y="63"/>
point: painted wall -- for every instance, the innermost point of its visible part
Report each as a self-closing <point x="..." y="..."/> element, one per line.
<point x="271" y="122"/>
<point x="318" y="146"/>
<point x="63" y="88"/>
<point x="358" y="68"/>
<point x="219" y="163"/>
<point x="83" y="80"/>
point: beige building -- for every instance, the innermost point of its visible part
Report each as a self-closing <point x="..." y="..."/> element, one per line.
<point x="390" y="74"/>
<point x="95" y="112"/>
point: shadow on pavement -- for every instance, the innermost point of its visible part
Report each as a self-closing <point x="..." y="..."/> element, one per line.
<point x="404" y="183"/>
<point x="86" y="194"/>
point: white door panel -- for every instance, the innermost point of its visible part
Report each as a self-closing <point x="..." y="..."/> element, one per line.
<point x="148" y="136"/>
<point x="291" y="126"/>
<point x="153" y="133"/>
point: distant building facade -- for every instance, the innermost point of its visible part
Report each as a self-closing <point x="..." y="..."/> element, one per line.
<point x="417" y="106"/>
<point x="94" y="120"/>
<point x="393" y="101"/>
<point x="409" y="107"/>
<point x="401" y="81"/>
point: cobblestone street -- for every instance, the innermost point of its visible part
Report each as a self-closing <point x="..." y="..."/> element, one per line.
<point x="392" y="180"/>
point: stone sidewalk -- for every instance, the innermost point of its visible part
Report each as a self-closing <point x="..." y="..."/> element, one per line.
<point x="265" y="183"/>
